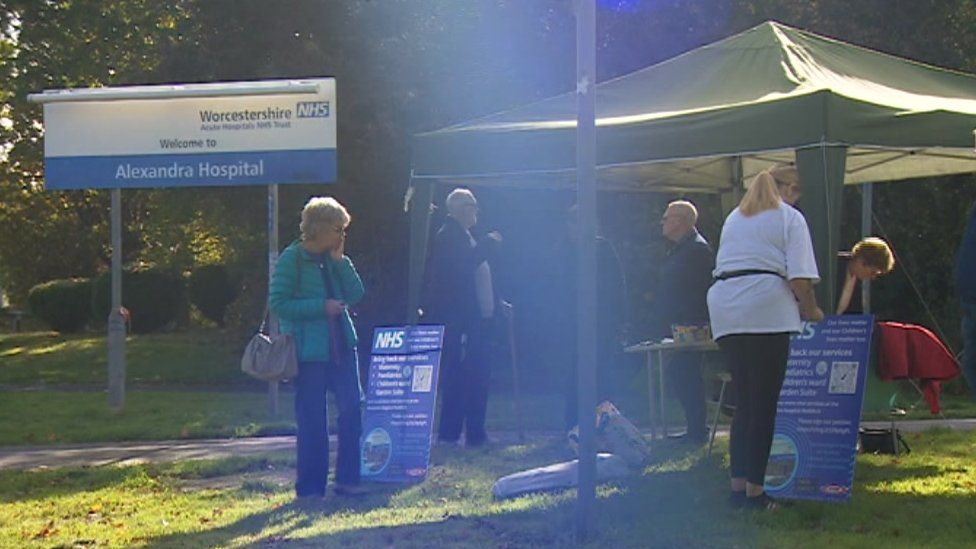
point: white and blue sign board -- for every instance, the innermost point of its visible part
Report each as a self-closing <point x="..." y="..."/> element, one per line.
<point x="819" y="410"/>
<point x="227" y="138"/>
<point x="398" y="422"/>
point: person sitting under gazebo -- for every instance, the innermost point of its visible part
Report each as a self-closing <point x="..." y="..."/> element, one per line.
<point x="870" y="258"/>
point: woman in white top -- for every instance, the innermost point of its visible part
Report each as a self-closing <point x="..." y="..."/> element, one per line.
<point x="764" y="275"/>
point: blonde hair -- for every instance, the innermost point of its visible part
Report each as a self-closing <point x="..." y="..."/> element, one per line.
<point x="762" y="195"/>
<point x="874" y="252"/>
<point x="322" y="212"/>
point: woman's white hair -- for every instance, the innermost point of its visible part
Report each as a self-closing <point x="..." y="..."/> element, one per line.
<point x="322" y="212"/>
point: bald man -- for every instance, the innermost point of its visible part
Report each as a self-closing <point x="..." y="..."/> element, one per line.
<point x="683" y="284"/>
<point x="460" y="294"/>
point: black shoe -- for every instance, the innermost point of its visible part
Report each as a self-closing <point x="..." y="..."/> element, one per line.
<point x="763" y="502"/>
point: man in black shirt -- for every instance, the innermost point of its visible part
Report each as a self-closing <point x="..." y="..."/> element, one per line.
<point x="459" y="294"/>
<point x="681" y="300"/>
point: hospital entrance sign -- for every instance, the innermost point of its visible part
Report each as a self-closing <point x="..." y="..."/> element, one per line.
<point x="265" y="132"/>
<point x="219" y="134"/>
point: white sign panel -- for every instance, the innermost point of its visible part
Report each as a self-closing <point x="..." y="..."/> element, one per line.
<point x="238" y="139"/>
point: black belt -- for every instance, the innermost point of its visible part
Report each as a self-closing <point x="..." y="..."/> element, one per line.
<point x="745" y="272"/>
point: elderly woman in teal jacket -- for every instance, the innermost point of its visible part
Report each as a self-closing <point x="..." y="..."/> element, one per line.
<point x="313" y="285"/>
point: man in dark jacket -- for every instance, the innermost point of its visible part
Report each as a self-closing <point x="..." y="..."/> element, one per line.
<point x="681" y="300"/>
<point x="460" y="295"/>
<point x="966" y="288"/>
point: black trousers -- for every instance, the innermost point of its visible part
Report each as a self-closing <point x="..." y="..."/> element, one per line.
<point x="465" y="380"/>
<point x="758" y="364"/>
<point x="683" y="373"/>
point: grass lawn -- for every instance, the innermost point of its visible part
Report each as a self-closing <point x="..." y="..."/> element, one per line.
<point x="202" y="357"/>
<point x="189" y="385"/>
<point x="51" y="417"/>
<point x="923" y="499"/>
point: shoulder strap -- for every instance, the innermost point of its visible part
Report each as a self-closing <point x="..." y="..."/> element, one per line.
<point x="298" y="270"/>
<point x="298" y="284"/>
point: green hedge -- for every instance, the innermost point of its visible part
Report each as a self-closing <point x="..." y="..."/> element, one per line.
<point x="155" y="298"/>
<point x="63" y="305"/>
<point x="211" y="290"/>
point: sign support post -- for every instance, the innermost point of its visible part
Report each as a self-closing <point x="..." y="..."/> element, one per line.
<point x="116" y="322"/>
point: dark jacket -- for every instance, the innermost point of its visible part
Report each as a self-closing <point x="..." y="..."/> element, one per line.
<point x="683" y="284"/>
<point x="449" y="295"/>
<point x="966" y="262"/>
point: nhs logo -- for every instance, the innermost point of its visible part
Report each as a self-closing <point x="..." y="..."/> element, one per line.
<point x="312" y="109"/>
<point x="808" y="331"/>
<point x="389" y="339"/>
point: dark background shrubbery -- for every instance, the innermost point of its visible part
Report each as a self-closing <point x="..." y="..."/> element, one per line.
<point x="155" y="298"/>
<point x="212" y="288"/>
<point x="63" y="305"/>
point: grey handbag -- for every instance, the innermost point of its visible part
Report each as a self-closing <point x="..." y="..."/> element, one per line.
<point x="272" y="358"/>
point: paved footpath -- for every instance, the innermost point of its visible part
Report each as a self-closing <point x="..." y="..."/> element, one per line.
<point x="93" y="455"/>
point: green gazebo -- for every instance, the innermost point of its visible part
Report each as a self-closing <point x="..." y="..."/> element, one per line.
<point x="708" y="120"/>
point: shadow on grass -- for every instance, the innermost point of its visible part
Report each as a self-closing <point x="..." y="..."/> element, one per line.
<point x="632" y="514"/>
<point x="279" y="524"/>
<point x="679" y="501"/>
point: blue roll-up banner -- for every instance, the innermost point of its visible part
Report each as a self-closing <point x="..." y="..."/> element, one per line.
<point x="398" y="423"/>
<point x="819" y="411"/>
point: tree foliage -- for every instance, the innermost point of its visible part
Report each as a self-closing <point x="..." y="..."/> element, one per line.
<point x="48" y="235"/>
<point x="404" y="66"/>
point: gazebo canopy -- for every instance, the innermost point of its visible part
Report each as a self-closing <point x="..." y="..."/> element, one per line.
<point x="708" y="120"/>
<point x="712" y="117"/>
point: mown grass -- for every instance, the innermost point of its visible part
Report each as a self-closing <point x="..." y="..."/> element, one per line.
<point x="189" y="385"/>
<point x="55" y="417"/>
<point x="920" y="500"/>
<point x="202" y="357"/>
<point x="52" y="417"/>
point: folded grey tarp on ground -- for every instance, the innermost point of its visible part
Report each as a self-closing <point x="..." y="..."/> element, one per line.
<point x="557" y="476"/>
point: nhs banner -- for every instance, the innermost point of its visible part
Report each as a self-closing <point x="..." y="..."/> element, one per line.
<point x="819" y="410"/>
<point x="398" y="422"/>
<point x="232" y="133"/>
